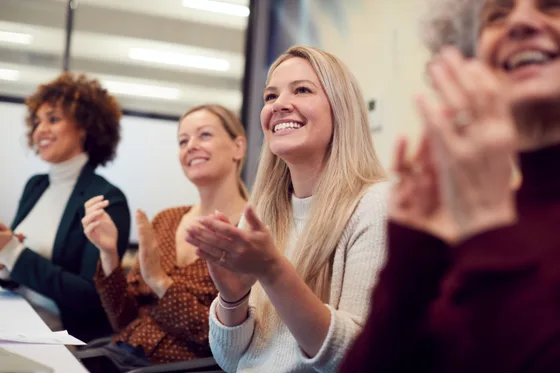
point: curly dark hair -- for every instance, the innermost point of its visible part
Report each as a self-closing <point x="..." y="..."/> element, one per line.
<point x="90" y="105"/>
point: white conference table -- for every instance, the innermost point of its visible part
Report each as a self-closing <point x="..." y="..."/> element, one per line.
<point x="17" y="315"/>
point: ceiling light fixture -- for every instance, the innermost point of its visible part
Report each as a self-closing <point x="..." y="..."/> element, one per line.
<point x="218" y="7"/>
<point x="179" y="59"/>
<point x="141" y="90"/>
<point x="9" y="74"/>
<point x="16" y="37"/>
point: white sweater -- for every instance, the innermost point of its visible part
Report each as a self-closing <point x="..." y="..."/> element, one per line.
<point x="357" y="260"/>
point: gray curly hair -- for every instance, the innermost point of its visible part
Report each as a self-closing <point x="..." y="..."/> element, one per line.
<point x="452" y="22"/>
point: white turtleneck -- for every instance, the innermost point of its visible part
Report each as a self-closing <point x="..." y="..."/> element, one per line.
<point x="40" y="227"/>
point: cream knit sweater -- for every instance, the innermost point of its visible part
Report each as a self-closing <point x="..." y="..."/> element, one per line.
<point x="357" y="260"/>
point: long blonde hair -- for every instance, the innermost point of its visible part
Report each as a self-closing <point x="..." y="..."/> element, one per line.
<point x="350" y="166"/>
<point x="233" y="127"/>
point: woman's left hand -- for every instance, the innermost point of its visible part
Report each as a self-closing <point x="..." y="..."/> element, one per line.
<point x="250" y="251"/>
<point x="473" y="139"/>
<point x="149" y="257"/>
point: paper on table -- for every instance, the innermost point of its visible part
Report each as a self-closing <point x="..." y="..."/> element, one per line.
<point x="58" y="338"/>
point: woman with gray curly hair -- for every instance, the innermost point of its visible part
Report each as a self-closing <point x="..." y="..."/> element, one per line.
<point x="472" y="278"/>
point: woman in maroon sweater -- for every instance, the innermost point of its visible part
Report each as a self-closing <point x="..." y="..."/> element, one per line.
<point x="472" y="280"/>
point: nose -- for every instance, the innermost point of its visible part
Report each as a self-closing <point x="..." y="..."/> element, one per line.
<point x="524" y="22"/>
<point x="39" y="129"/>
<point x="282" y="104"/>
<point x="192" y="144"/>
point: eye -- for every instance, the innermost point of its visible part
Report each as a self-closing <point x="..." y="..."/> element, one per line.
<point x="183" y="142"/>
<point x="205" y="135"/>
<point x="303" y="90"/>
<point x="53" y="120"/>
<point x="494" y="16"/>
<point x="270" y="96"/>
<point x="555" y="4"/>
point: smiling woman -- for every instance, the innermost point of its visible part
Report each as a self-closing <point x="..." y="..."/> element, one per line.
<point x="160" y="308"/>
<point x="73" y="124"/>
<point x="305" y="244"/>
<point x="472" y="277"/>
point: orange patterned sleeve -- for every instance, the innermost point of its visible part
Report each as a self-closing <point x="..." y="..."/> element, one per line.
<point x="183" y="309"/>
<point x="120" y="305"/>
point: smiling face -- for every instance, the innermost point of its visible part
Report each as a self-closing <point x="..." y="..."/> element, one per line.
<point x="206" y="150"/>
<point x="56" y="137"/>
<point x="520" y="41"/>
<point x="296" y="117"/>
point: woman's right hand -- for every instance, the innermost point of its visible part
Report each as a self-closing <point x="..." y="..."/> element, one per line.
<point x="100" y="229"/>
<point x="415" y="199"/>
<point x="231" y="285"/>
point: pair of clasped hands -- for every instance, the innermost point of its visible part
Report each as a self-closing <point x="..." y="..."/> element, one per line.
<point x="458" y="184"/>
<point x="236" y="257"/>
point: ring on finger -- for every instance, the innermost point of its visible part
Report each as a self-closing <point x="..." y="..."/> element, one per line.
<point x="223" y="256"/>
<point x="462" y="119"/>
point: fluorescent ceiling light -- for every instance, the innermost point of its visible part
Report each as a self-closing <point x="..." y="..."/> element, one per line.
<point x="218" y="7"/>
<point x="9" y="74"/>
<point x="141" y="90"/>
<point x="15" y="37"/>
<point x="179" y="59"/>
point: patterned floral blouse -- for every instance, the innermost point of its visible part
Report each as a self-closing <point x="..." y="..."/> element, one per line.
<point x="175" y="327"/>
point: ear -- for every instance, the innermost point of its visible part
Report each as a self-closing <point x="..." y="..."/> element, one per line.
<point x="240" y="144"/>
<point x="83" y="134"/>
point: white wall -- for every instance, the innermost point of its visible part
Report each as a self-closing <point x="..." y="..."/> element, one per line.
<point x="383" y="49"/>
<point x="146" y="168"/>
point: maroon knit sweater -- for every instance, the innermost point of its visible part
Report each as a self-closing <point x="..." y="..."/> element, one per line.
<point x="491" y="304"/>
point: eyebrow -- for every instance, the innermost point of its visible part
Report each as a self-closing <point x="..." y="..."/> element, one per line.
<point x="497" y="3"/>
<point x="294" y="83"/>
<point x="197" y="130"/>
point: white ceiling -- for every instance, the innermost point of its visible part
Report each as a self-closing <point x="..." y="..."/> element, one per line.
<point x="106" y="32"/>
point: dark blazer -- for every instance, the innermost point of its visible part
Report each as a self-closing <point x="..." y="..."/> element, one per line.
<point x="68" y="278"/>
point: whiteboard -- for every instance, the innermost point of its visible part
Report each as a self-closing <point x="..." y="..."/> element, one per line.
<point x="146" y="168"/>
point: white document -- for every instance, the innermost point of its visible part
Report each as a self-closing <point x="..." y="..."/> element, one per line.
<point x="57" y="338"/>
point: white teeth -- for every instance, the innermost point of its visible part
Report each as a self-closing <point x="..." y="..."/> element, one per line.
<point x="527" y="57"/>
<point x="197" y="161"/>
<point x="44" y="142"/>
<point x="284" y="126"/>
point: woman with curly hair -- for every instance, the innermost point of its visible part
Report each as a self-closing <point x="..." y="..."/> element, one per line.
<point x="73" y="124"/>
<point x="472" y="280"/>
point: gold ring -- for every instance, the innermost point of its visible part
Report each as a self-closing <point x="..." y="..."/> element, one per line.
<point x="223" y="257"/>
<point x="462" y="119"/>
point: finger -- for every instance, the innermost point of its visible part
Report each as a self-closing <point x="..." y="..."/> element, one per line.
<point x="399" y="159"/>
<point x="97" y="206"/>
<point x="221" y="216"/>
<point x="201" y="245"/>
<point x="448" y="88"/>
<point x="253" y="220"/>
<point x="438" y="127"/>
<point x="221" y="228"/>
<point x="488" y="90"/>
<point x="211" y="238"/>
<point x="141" y="217"/>
<point x="209" y="258"/>
<point x="422" y="154"/>
<point x="91" y="227"/>
<point x="92" y="216"/>
<point x="465" y="74"/>
<point x="93" y="201"/>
